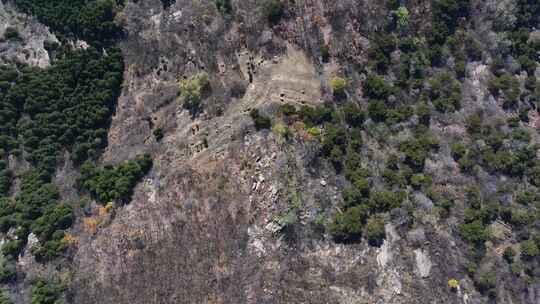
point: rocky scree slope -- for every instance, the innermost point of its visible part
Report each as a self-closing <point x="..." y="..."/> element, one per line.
<point x="303" y="152"/>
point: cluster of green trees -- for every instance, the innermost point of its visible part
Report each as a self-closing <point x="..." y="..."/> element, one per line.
<point x="46" y="292"/>
<point x="36" y="209"/>
<point x="341" y="144"/>
<point x="114" y="183"/>
<point x="446" y="17"/>
<point x="67" y="105"/>
<point x="520" y="215"/>
<point x="509" y="153"/>
<point x="90" y="20"/>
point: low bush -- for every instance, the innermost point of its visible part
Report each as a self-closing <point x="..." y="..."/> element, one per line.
<point x="486" y="282"/>
<point x="273" y="10"/>
<point x="445" y="92"/>
<point x="224" y="6"/>
<point x="261" y="122"/>
<point x="508" y="85"/>
<point x="474" y="232"/>
<point x="509" y="254"/>
<point x="192" y="89"/>
<point x="11" y="33"/>
<point x="347" y="226"/>
<point x="375" y="231"/>
<point x="417" y="150"/>
<point x="377" y="110"/>
<point x="529" y="250"/>
<point x="338" y="85"/>
<point x="383" y="201"/>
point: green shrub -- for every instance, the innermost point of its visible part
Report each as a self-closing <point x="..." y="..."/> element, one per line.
<point x="52" y="248"/>
<point x="445" y="93"/>
<point x="473" y="49"/>
<point x="334" y="137"/>
<point x="417" y="149"/>
<point x="377" y="110"/>
<point x="445" y="206"/>
<point x="375" y="231"/>
<point x="458" y="150"/>
<point x="383" y="201"/>
<point x="313" y="116"/>
<point x="529" y="249"/>
<point x="509" y="254"/>
<point x="12" y="33"/>
<point x="192" y="89"/>
<point x="261" y="122"/>
<point x="526" y="197"/>
<point x="474" y="232"/>
<point x="325" y="52"/>
<point x="375" y="87"/>
<point x="402" y="17"/>
<point x="517" y="268"/>
<point x="224" y="6"/>
<point x="347" y="226"/>
<point x="424" y="113"/>
<point x="420" y="180"/>
<point x="461" y="68"/>
<point x="509" y="86"/>
<point x="338" y="85"/>
<point x="353" y="115"/>
<point x="46" y="293"/>
<point x="486" y="282"/>
<point x="287" y="109"/>
<point x="273" y="10"/>
<point x="158" y="134"/>
<point x="355" y="196"/>
<point x="520" y="217"/>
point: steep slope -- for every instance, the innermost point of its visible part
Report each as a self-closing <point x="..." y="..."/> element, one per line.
<point x="303" y="152"/>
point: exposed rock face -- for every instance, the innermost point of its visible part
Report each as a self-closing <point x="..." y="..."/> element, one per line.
<point x="29" y="48"/>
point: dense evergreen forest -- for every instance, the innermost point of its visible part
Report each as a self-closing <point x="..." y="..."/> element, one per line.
<point x="45" y="112"/>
